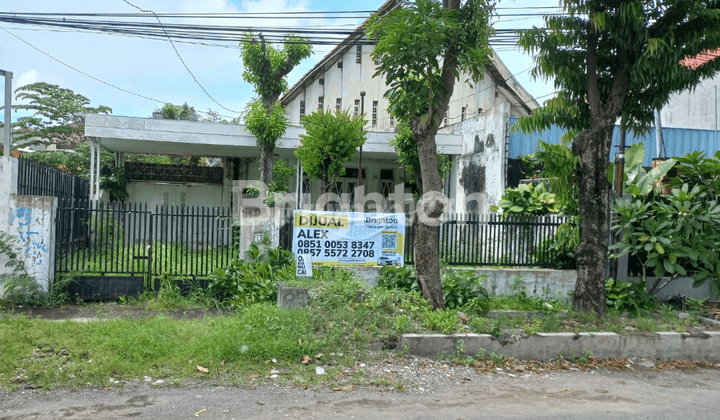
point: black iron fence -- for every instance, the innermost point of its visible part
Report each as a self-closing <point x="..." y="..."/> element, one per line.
<point x="484" y="240"/>
<point x="132" y="239"/>
<point x="35" y="178"/>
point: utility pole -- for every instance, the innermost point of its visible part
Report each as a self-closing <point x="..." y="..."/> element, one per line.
<point x="362" y="112"/>
<point x="8" y="106"/>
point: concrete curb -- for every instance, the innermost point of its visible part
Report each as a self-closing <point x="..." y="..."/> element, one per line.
<point x="698" y="347"/>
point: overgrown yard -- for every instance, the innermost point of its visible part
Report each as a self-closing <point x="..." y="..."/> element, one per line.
<point x="242" y="338"/>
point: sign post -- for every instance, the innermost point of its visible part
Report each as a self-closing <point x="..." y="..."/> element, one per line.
<point x="349" y="239"/>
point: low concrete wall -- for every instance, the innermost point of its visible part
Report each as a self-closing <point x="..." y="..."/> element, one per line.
<point x="663" y="345"/>
<point x="506" y="281"/>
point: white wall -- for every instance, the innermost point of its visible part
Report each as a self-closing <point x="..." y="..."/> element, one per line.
<point x="696" y="109"/>
<point x="160" y="193"/>
<point x="32" y="221"/>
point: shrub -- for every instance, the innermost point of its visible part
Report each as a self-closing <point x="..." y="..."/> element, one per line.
<point x="629" y="297"/>
<point x="253" y="280"/>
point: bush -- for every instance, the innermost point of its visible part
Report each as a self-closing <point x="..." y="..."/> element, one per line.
<point x="629" y="297"/>
<point x="253" y="280"/>
<point x="460" y="287"/>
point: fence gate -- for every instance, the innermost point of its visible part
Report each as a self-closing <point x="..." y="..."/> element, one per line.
<point x="116" y="240"/>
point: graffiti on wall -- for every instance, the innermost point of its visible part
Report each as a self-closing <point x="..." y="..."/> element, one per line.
<point x="31" y="242"/>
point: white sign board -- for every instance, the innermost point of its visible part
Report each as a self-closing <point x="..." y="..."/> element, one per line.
<point x="303" y="266"/>
<point x="349" y="239"/>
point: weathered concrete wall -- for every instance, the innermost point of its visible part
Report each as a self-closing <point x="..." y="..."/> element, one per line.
<point x="32" y="220"/>
<point x="8" y="186"/>
<point x="507" y="281"/>
<point x="481" y="168"/>
<point x="697" y="109"/>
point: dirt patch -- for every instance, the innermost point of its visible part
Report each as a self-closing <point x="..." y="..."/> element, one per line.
<point x="112" y="311"/>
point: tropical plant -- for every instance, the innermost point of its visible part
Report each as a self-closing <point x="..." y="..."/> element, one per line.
<point x="609" y="61"/>
<point x="527" y="199"/>
<point x="332" y="139"/>
<point x="58" y="115"/>
<point x="697" y="169"/>
<point x="266" y="68"/>
<point x="671" y="235"/>
<point x="629" y="297"/>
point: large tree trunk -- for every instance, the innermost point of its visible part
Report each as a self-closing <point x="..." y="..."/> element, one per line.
<point x="593" y="149"/>
<point x="425" y="220"/>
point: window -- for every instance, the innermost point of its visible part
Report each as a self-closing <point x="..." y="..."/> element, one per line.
<point x="338" y="104"/>
<point x="302" y="109"/>
<point x="357" y="107"/>
<point x="445" y="120"/>
<point x="321" y="105"/>
<point x="321" y="81"/>
<point x="392" y="121"/>
<point x="358" y="54"/>
<point x="339" y="64"/>
<point x="376" y="62"/>
<point x="479" y="111"/>
<point x="463" y="111"/>
<point x="374" y="113"/>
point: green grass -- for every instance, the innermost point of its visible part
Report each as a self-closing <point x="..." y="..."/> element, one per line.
<point x="240" y="345"/>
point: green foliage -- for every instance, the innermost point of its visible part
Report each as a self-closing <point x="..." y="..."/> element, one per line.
<point x="267" y="66"/>
<point x="336" y="287"/>
<point x="57" y="115"/>
<point x="531" y="165"/>
<point x="332" y="139"/>
<point x="698" y="170"/>
<point x="560" y="175"/>
<point x="562" y="247"/>
<point x="629" y="297"/>
<point x="460" y="287"/>
<point x="18" y="286"/>
<point x="651" y="40"/>
<point x="408" y="158"/>
<point x="178" y="112"/>
<point x="527" y="199"/>
<point x="671" y="235"/>
<point x="411" y="40"/>
<point x="253" y="280"/>
<point x="400" y="278"/>
<point x="266" y="125"/>
<point x="444" y="322"/>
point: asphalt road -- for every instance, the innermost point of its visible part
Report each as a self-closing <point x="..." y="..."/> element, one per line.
<point x="602" y="394"/>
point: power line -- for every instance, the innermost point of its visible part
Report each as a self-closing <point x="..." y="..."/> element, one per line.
<point x="93" y="77"/>
<point x="183" y="61"/>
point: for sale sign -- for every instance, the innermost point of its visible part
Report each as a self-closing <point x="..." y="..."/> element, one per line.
<point x="349" y="239"/>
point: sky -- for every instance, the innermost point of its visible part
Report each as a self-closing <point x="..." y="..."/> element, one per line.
<point x="152" y="68"/>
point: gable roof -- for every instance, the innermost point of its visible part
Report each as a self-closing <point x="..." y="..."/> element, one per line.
<point x="700" y="59"/>
<point x="496" y="69"/>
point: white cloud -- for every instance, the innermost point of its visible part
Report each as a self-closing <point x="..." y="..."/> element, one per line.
<point x="26" y="78"/>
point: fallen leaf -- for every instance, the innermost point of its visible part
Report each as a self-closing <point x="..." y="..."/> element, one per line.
<point x="305" y="360"/>
<point x="201" y="411"/>
<point x="202" y="369"/>
<point x="565" y="389"/>
<point x="250" y="387"/>
<point x="222" y="363"/>
<point x="300" y="341"/>
<point x="117" y="372"/>
<point x="463" y="380"/>
<point x="261" y="402"/>
<point x="319" y="356"/>
<point x="343" y="388"/>
<point x="253" y="376"/>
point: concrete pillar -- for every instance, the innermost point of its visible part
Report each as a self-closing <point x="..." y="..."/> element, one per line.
<point x="32" y="220"/>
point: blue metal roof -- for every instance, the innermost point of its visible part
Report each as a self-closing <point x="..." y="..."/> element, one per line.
<point x="678" y="141"/>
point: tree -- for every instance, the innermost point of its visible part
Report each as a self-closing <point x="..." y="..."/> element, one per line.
<point x="613" y="60"/>
<point x="331" y="140"/>
<point x="57" y="115"/>
<point x="178" y="112"/>
<point x="266" y="68"/>
<point x="422" y="48"/>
